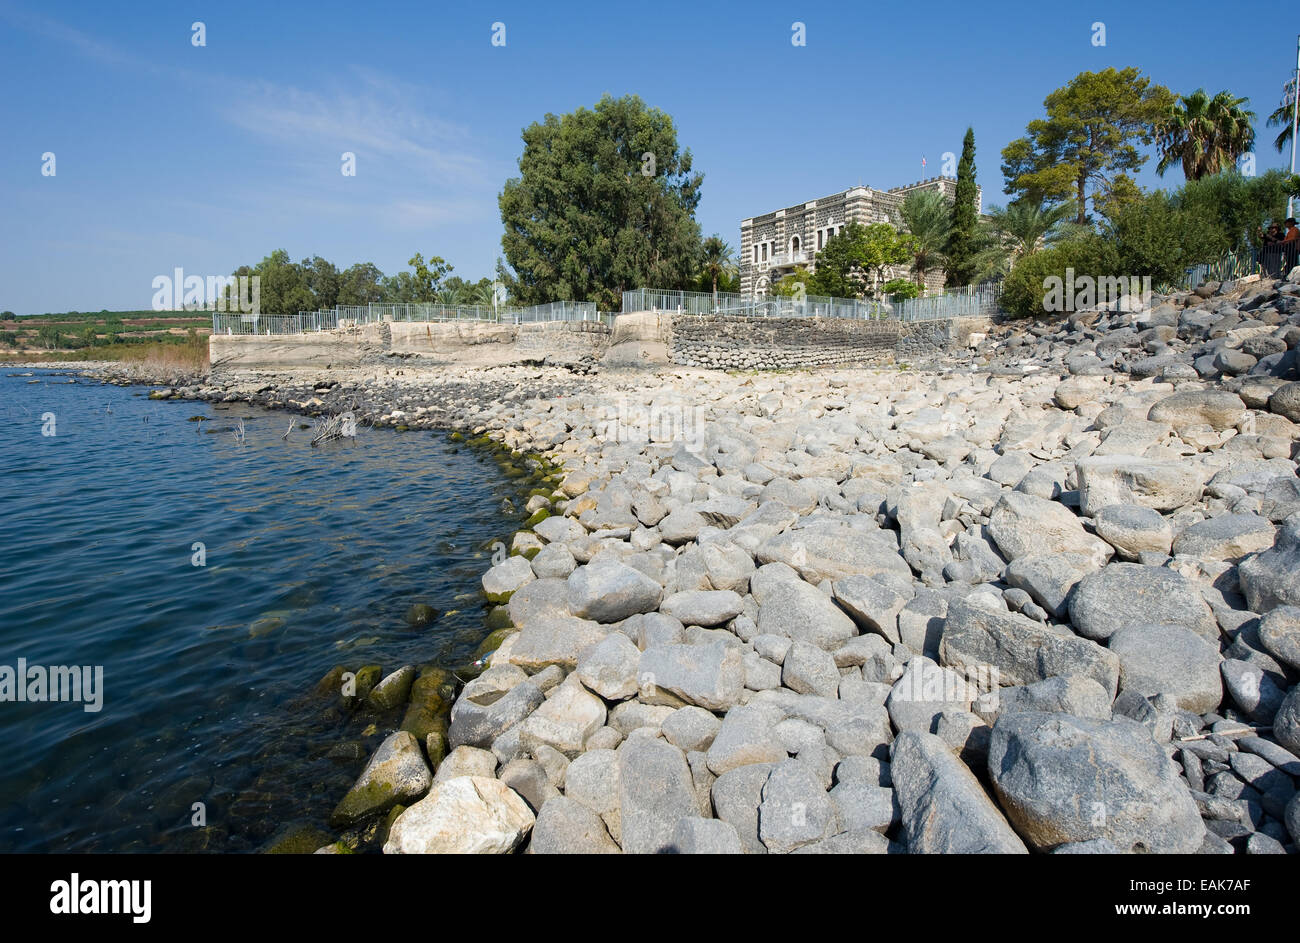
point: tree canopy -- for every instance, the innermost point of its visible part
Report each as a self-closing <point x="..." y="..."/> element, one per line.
<point x="604" y="201"/>
<point x="1092" y="131"/>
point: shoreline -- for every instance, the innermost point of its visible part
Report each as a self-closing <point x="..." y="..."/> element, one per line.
<point x="879" y="596"/>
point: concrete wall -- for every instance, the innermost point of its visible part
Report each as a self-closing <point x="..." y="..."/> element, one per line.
<point x="350" y="347"/>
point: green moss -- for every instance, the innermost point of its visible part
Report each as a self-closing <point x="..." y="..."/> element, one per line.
<point x="456" y="437"/>
<point x="537" y="517"/>
<point x="499" y="618"/>
<point x="362" y="802"/>
<point x="297" y="840"/>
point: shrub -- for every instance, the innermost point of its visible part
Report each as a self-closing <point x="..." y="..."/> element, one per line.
<point x="900" y="288"/>
<point x="1154" y="237"/>
<point x="1024" y="290"/>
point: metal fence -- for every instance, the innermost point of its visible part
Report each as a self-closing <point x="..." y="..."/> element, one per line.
<point x="976" y="300"/>
<point x="1274" y="261"/>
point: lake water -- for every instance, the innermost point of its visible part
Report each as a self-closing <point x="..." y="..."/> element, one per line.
<point x="311" y="558"/>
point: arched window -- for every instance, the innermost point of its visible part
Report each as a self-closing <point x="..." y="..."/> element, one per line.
<point x="794" y="244"/>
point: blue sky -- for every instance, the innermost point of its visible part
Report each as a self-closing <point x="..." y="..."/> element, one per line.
<point x="169" y="155"/>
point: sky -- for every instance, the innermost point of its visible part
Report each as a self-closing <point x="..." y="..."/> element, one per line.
<point x="170" y="155"/>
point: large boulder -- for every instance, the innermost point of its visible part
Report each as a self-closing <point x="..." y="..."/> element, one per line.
<point x="1020" y="650"/>
<point x="466" y="815"/>
<point x="1279" y="632"/>
<point x="1127" y="479"/>
<point x="943" y="807"/>
<point x="608" y="590"/>
<point x="795" y="810"/>
<point x="796" y="610"/>
<point x="834" y="552"/>
<point x="710" y="675"/>
<point x="1285" y="401"/>
<point x="1022" y="525"/>
<point x="567" y="827"/>
<point x="1272" y="578"/>
<point x="397" y="773"/>
<point x="1218" y="409"/>
<point x="1133" y="529"/>
<point x="1226" y="537"/>
<point x="1171" y="660"/>
<point x="1125" y="594"/>
<point x="1067" y="779"/>
<point x="655" y="791"/>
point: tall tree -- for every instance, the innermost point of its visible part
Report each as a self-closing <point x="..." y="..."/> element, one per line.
<point x="1093" y="128"/>
<point x="717" y="260"/>
<point x="360" y="284"/>
<point x="1204" y="134"/>
<point x="961" y="248"/>
<point x="1284" y="118"/>
<point x="604" y="202"/>
<point x="928" y="218"/>
<point x="428" y="276"/>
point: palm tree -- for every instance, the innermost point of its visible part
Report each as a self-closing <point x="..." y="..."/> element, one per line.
<point x="1281" y="117"/>
<point x="927" y="215"/>
<point x="1021" y="229"/>
<point x="717" y="258"/>
<point x="1205" y="134"/>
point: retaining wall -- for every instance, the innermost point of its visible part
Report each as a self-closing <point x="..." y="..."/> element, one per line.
<point x="351" y="346"/>
<point x="737" y="343"/>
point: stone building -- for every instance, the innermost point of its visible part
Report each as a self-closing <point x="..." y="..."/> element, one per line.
<point x="774" y="244"/>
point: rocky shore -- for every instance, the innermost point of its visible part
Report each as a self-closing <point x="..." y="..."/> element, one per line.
<point x="1040" y="596"/>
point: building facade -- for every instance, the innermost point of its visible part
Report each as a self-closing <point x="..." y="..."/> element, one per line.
<point x="775" y="244"/>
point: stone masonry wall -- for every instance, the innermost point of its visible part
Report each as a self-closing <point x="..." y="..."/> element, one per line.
<point x="734" y="343"/>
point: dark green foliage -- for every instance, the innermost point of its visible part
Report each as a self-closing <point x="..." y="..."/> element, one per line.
<point x="962" y="238"/>
<point x="604" y="202"/>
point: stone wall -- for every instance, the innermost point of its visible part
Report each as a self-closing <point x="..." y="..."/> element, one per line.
<point x="564" y="338"/>
<point x="733" y="343"/>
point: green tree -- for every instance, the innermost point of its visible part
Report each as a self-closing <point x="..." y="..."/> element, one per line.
<point x="323" y="281"/>
<point x="717" y="260"/>
<point x="963" y="237"/>
<point x="604" y="202"/>
<point x="1284" y="118"/>
<point x="283" y="287"/>
<point x="900" y="288"/>
<point x="788" y="287"/>
<point x="360" y="284"/>
<point x="49" y="336"/>
<point x="1093" y="128"/>
<point x="1240" y="206"/>
<point x="428" y="276"/>
<point x="928" y="219"/>
<point x="1155" y="236"/>
<point x="853" y="261"/>
<point x="1020" y="229"/>
<point x="1204" y="134"/>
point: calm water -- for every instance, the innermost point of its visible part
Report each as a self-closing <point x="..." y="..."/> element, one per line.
<point x="313" y="556"/>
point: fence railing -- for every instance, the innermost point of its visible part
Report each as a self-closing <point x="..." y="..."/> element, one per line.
<point x="973" y="301"/>
<point x="1274" y="261"/>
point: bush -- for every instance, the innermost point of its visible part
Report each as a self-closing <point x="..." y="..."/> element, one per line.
<point x="1239" y="207"/>
<point x="1025" y="288"/>
<point x="900" y="288"/>
<point x="1154" y="237"/>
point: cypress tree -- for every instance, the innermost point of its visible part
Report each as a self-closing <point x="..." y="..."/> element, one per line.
<point x="961" y="239"/>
